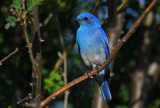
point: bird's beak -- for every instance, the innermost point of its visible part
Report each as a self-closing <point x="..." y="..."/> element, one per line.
<point x="77" y="19"/>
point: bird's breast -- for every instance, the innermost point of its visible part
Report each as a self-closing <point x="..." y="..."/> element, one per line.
<point x="91" y="46"/>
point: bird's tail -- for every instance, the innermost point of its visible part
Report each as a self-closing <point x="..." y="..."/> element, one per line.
<point x="105" y="92"/>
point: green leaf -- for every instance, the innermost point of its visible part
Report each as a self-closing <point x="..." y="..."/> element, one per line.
<point x="13" y="18"/>
<point x="52" y="74"/>
<point x="10" y="19"/>
<point x="13" y="24"/>
<point x="17" y="4"/>
<point x="7" y="26"/>
<point x="48" y="82"/>
<point x="58" y="77"/>
<point x="61" y="82"/>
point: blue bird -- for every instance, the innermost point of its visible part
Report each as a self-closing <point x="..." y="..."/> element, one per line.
<point x="94" y="49"/>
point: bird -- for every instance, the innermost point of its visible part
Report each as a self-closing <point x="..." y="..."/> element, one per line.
<point x="94" y="49"/>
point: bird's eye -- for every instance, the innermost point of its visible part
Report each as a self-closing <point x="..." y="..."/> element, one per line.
<point x="86" y="18"/>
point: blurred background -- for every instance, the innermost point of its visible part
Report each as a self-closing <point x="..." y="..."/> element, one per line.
<point x="135" y="72"/>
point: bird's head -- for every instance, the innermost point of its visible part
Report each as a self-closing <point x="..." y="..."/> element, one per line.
<point x="87" y="20"/>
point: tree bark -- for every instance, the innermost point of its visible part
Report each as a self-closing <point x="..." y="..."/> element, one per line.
<point x="36" y="48"/>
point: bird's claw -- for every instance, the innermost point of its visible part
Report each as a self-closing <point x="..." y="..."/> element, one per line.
<point x="89" y="73"/>
<point x="98" y="68"/>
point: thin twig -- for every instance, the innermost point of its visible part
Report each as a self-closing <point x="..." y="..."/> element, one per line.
<point x="23" y="100"/>
<point x="65" y="80"/>
<point x="26" y="35"/>
<point x="120" y="7"/>
<point x="66" y="51"/>
<point x="24" y="12"/>
<point x="119" y="45"/>
<point x="28" y="44"/>
<point x="49" y="17"/>
<point x="12" y="53"/>
<point x="4" y="59"/>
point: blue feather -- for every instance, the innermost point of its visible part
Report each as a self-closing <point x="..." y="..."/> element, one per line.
<point x="105" y="91"/>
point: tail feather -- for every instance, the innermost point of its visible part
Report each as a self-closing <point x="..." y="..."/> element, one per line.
<point x="105" y="92"/>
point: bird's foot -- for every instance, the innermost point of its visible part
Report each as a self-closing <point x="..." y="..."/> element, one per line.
<point x="89" y="73"/>
<point x="98" y="68"/>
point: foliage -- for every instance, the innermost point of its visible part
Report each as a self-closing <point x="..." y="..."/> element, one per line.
<point x="54" y="82"/>
<point x="19" y="13"/>
<point x="11" y="22"/>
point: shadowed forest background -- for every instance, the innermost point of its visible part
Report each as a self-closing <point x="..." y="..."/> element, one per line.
<point x="135" y="72"/>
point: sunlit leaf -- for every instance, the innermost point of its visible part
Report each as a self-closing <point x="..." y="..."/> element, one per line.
<point x="13" y="24"/>
<point x="7" y="26"/>
<point x="58" y="77"/>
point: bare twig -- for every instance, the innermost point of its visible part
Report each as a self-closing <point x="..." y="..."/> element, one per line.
<point x="26" y="34"/>
<point x="119" y="45"/>
<point x="49" y="17"/>
<point x="4" y="59"/>
<point x="65" y="80"/>
<point x="120" y="7"/>
<point x="28" y="43"/>
<point x="14" y="52"/>
<point x="66" y="51"/>
<point x="23" y="100"/>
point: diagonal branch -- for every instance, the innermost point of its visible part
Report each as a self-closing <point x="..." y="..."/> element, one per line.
<point x="119" y="45"/>
<point x="5" y="58"/>
<point x="12" y="53"/>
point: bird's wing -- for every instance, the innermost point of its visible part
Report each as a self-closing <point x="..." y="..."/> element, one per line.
<point x="105" y="41"/>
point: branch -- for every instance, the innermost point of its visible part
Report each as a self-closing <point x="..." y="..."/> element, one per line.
<point x="66" y="51"/>
<point x="36" y="48"/>
<point x="35" y="57"/>
<point x="65" y="81"/>
<point x="120" y="7"/>
<point x="5" y="58"/>
<point x="94" y="72"/>
<point x="26" y="34"/>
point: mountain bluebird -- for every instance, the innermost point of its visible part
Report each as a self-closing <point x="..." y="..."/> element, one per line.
<point x="94" y="49"/>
